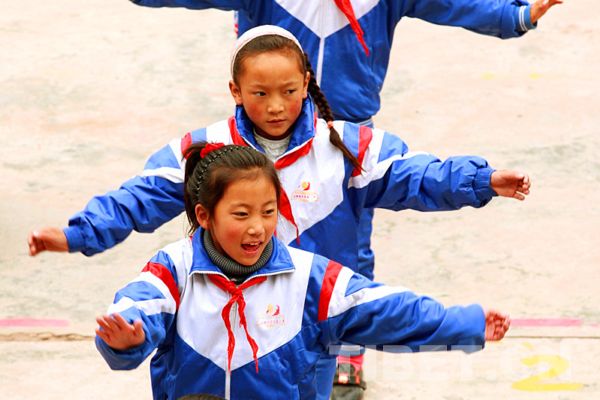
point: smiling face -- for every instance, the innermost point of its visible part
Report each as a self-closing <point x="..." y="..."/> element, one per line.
<point x="244" y="219"/>
<point x="271" y="87"/>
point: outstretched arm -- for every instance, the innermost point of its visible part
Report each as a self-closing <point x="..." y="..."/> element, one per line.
<point x="395" y="178"/>
<point x="500" y="18"/>
<point x="143" y="203"/>
<point x="360" y="311"/>
<point x="141" y="315"/>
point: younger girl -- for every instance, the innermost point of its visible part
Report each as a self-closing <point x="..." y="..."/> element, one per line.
<point x="234" y="312"/>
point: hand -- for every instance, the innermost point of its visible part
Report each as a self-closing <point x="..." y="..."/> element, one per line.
<point x="48" y="238"/>
<point x="539" y="8"/>
<point x="496" y="325"/>
<point x="508" y="183"/>
<point x="118" y="333"/>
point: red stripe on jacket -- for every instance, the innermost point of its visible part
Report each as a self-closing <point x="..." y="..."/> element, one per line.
<point x="365" y="135"/>
<point x="163" y="273"/>
<point x="331" y="275"/>
<point x="235" y="134"/>
<point x="292" y="157"/>
<point x="186" y="142"/>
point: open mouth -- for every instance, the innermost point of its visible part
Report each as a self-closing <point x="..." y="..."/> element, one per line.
<point x="251" y="247"/>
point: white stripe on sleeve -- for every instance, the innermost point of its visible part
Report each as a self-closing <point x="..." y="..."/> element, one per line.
<point x="340" y="303"/>
<point x="174" y="175"/>
<point x="149" y="307"/>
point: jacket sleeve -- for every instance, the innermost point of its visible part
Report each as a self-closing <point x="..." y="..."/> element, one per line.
<point x="143" y="203"/>
<point x="363" y="312"/>
<point x="153" y="298"/>
<point x="226" y="5"/>
<point x="395" y="178"/>
<point x="501" y="18"/>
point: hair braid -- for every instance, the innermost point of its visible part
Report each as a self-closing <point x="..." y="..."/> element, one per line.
<point x="325" y="112"/>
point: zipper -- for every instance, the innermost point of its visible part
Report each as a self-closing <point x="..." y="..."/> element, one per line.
<point x="227" y="384"/>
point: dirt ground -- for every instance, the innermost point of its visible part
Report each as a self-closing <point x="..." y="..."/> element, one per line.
<point x="89" y="89"/>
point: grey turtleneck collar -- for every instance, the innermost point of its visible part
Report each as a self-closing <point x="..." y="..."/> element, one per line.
<point x="231" y="268"/>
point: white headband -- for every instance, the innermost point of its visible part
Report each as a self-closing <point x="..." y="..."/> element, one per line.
<point x="261" y="30"/>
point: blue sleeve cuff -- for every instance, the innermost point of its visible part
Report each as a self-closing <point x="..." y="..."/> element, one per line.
<point x="75" y="239"/>
<point x="481" y="184"/>
<point x="120" y="359"/>
<point x="524" y="18"/>
<point x="474" y="339"/>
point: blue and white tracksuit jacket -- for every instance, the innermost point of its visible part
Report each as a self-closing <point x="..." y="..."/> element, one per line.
<point x="305" y="304"/>
<point x="351" y="79"/>
<point x="326" y="193"/>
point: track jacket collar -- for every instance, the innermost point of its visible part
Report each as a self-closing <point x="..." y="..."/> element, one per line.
<point x="280" y="261"/>
<point x="303" y="129"/>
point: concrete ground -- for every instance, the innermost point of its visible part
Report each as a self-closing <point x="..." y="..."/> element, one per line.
<point x="89" y="90"/>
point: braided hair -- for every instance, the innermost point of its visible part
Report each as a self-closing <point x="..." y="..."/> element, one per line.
<point x="208" y="176"/>
<point x="325" y="112"/>
<point x="267" y="43"/>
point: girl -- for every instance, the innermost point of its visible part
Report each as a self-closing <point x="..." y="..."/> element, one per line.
<point x="234" y="312"/>
<point x="327" y="178"/>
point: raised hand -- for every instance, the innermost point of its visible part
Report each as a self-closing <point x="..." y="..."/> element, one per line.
<point x="539" y="8"/>
<point x="496" y="325"/>
<point x="508" y="183"/>
<point x="118" y="333"/>
<point x="47" y="238"/>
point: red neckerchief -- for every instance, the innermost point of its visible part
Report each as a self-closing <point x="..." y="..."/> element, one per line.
<point x="345" y="7"/>
<point x="236" y="297"/>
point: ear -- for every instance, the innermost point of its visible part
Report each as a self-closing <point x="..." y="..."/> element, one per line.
<point x="305" y="86"/>
<point x="236" y="93"/>
<point x="202" y="216"/>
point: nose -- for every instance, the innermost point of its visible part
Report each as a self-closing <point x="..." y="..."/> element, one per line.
<point x="275" y="105"/>
<point x="256" y="227"/>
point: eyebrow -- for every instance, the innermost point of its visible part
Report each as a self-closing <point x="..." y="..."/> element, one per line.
<point x="286" y="83"/>
<point x="248" y="205"/>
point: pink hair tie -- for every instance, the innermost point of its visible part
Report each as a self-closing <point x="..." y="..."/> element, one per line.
<point x="330" y="124"/>
<point x="210" y="147"/>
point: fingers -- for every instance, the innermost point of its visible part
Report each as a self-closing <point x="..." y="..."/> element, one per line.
<point x="138" y="327"/>
<point x="519" y="196"/>
<point x="118" y="333"/>
<point x="523" y="188"/>
<point x="525" y="185"/>
<point x="35" y="245"/>
<point x="497" y="324"/>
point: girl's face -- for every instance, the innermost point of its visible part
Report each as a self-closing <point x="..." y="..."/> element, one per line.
<point x="271" y="89"/>
<point x="244" y="219"/>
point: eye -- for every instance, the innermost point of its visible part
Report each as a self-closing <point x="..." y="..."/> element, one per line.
<point x="260" y="94"/>
<point x="240" y="214"/>
<point x="290" y="91"/>
<point x="270" y="212"/>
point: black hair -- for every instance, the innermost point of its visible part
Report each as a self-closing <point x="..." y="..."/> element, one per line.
<point x="207" y="177"/>
<point x="268" y="43"/>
